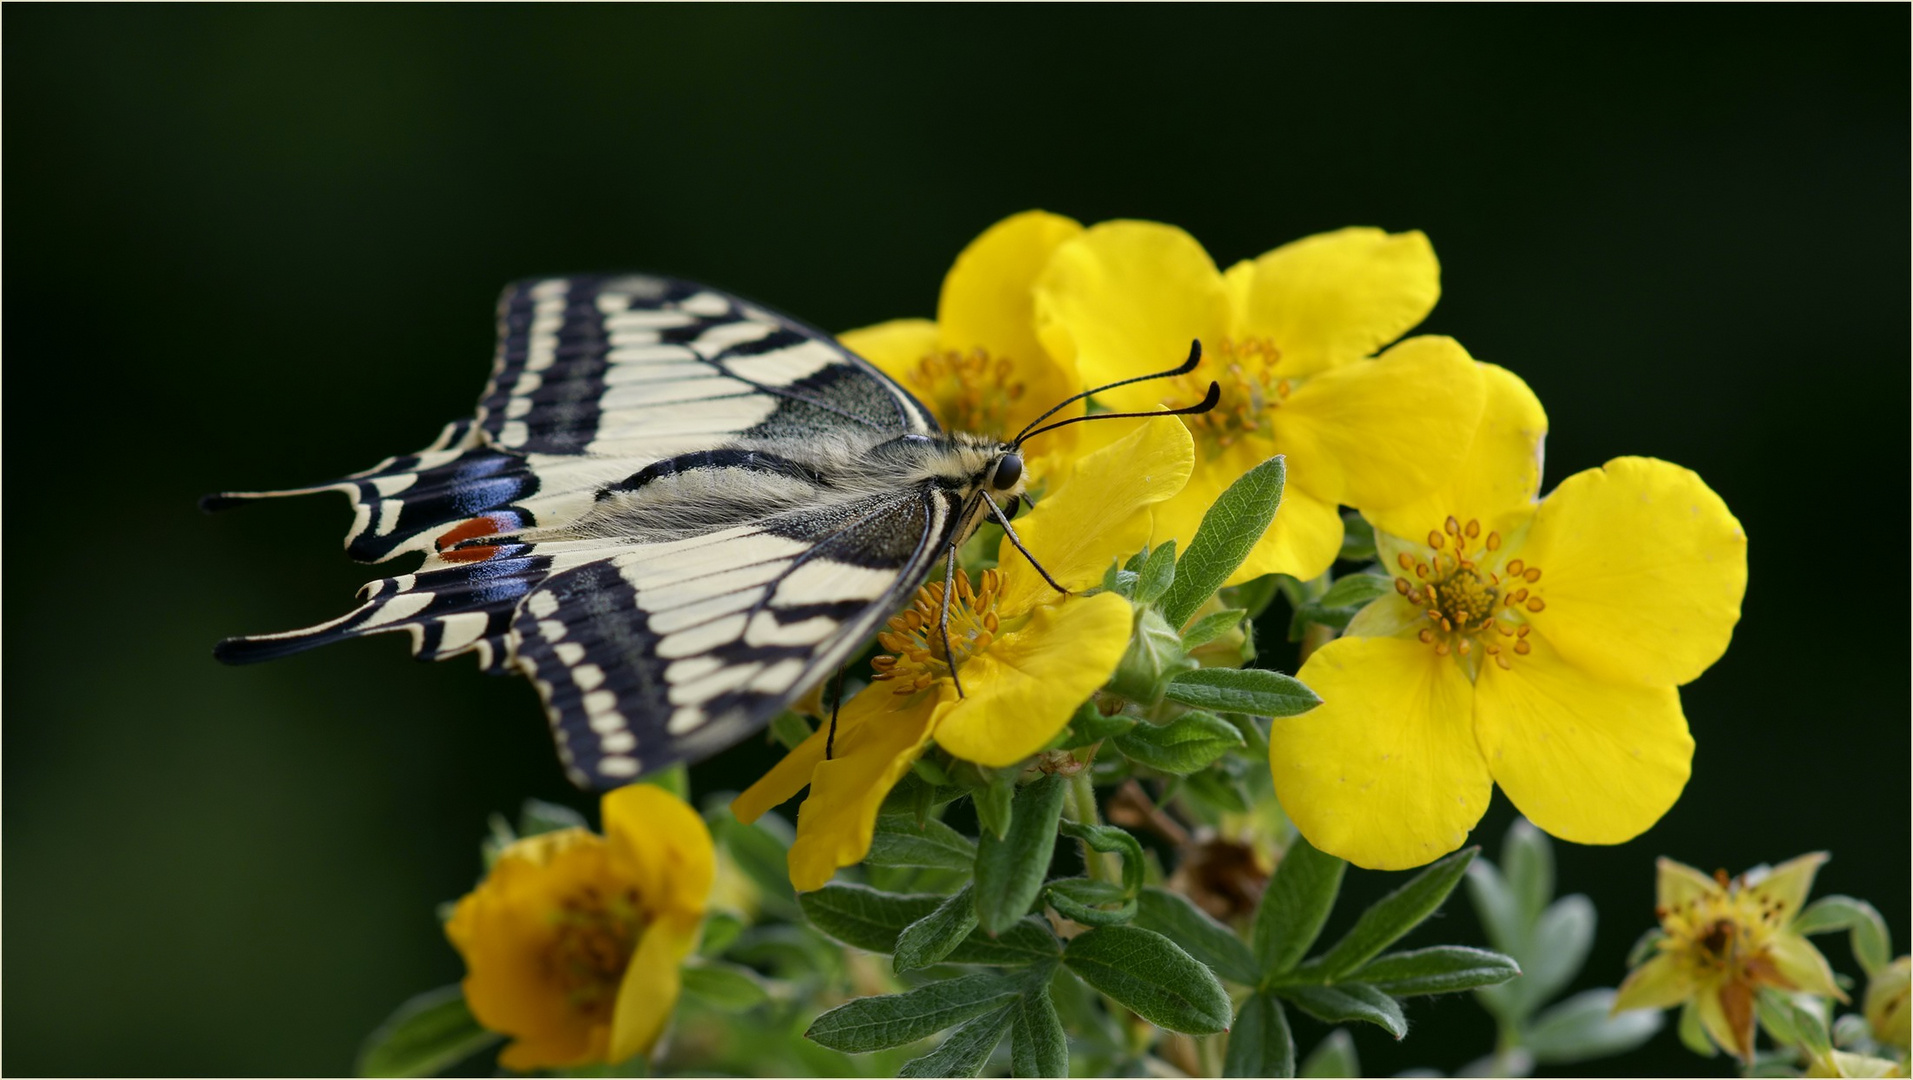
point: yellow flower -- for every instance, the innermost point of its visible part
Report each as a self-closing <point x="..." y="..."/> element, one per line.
<point x="1724" y="940"/>
<point x="1533" y="645"/>
<point x="1889" y="1003"/>
<point x="1286" y="336"/>
<point x="1027" y="656"/>
<point x="979" y="367"/>
<point x="572" y="942"/>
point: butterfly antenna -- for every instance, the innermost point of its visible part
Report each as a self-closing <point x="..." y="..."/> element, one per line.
<point x="1004" y="520"/>
<point x="1208" y="402"/>
<point x="943" y="617"/>
<point x="1187" y="366"/>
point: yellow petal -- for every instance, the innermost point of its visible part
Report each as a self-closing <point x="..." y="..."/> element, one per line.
<point x="1125" y="298"/>
<point x="789" y="776"/>
<point x="1384" y="773"/>
<point x="895" y="346"/>
<point x="1023" y="689"/>
<point x="879" y="736"/>
<point x="1383" y="432"/>
<point x="1099" y="515"/>
<point x="1657" y="984"/>
<point x="1803" y="966"/>
<point x="1302" y="541"/>
<point x="1497" y="479"/>
<point x="661" y="846"/>
<point x="1336" y="297"/>
<point x="1727" y="1012"/>
<point x="1788" y="884"/>
<point x="1585" y="759"/>
<point x="649" y="990"/>
<point x="989" y="301"/>
<point x="1677" y="884"/>
<point x="1643" y="569"/>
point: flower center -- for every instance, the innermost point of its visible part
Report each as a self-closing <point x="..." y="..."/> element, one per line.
<point x="1470" y="601"/>
<point x="1726" y="935"/>
<point x="968" y="391"/>
<point x="1250" y="391"/>
<point x="595" y="936"/>
<point x="915" y="644"/>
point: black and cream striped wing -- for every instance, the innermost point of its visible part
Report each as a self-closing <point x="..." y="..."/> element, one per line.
<point x="647" y="650"/>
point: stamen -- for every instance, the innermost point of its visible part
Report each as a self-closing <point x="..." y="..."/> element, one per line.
<point x="1401" y="585"/>
<point x="1474" y="528"/>
<point x="1515" y="566"/>
<point x="1452" y="526"/>
<point x="1494" y="541"/>
<point x="1522" y="648"/>
<point x="1402" y="560"/>
<point x="1536" y="604"/>
<point x="1533" y="573"/>
<point x="1435" y="538"/>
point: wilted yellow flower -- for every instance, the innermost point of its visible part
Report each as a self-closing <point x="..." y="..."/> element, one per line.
<point x="572" y="942"/>
<point x="1287" y="336"/>
<point x="1028" y="657"/>
<point x="1724" y="940"/>
<point x="1536" y="645"/>
<point x="1889" y="1003"/>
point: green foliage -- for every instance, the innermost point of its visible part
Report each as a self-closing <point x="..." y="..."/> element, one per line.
<point x="1228" y="531"/>
<point x="899" y="841"/>
<point x="424" y="1036"/>
<point x="1151" y="976"/>
<point x="1872" y="941"/>
<point x="1189" y="742"/>
<point x="1255" y="691"/>
<point x="1009" y="871"/>
<point x="1261" y="1043"/>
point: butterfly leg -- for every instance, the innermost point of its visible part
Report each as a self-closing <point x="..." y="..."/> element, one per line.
<point x="1004" y="520"/>
<point x="943" y="616"/>
<point x="836" y="703"/>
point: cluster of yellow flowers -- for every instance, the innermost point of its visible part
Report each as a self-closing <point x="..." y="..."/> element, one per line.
<point x="1535" y="643"/>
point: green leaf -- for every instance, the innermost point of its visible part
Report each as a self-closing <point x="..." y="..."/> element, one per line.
<point x="862" y="917"/>
<point x="1562" y="937"/>
<point x="878" y="1023"/>
<point x="1333" y="1056"/>
<point x="1497" y="909"/>
<point x="1356" y="590"/>
<point x="1582" y="1029"/>
<point x="1010" y="870"/>
<point x="899" y="841"/>
<point x="1174" y="917"/>
<point x="1344" y="1002"/>
<point x="1260" y="1043"/>
<point x="1527" y="859"/>
<point x="1027" y="942"/>
<point x="1153" y="978"/>
<point x="1216" y="790"/>
<point x="1229" y="530"/>
<point x="721" y="928"/>
<point x="727" y="986"/>
<point x="1157" y="574"/>
<point x="538" y="816"/>
<point x="1253" y="596"/>
<point x="931" y="938"/>
<point x="1295" y="905"/>
<point x="427" y="1034"/>
<point x="1789" y="1023"/>
<point x="1119" y="581"/>
<point x="1092" y="903"/>
<point x="1396" y="914"/>
<point x="762" y="855"/>
<point x="993" y="803"/>
<point x="1872" y="941"/>
<point x="1153" y="658"/>
<point x="1038" y="1045"/>
<point x="1358" y="543"/>
<point x="1443" y="969"/>
<point x="1334" y="618"/>
<point x="1212" y="626"/>
<point x="1693" y="1033"/>
<point x="1183" y="745"/>
<point x="1645" y="947"/>
<point x="790" y="729"/>
<point x="1256" y="691"/>
<point x="1113" y="841"/>
<point x="967" y="1049"/>
<point x="1089" y="725"/>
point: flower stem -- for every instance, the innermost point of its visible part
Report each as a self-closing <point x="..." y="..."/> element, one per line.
<point x="1080" y="807"/>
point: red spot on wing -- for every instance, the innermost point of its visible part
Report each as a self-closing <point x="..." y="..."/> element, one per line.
<point x="463" y="531"/>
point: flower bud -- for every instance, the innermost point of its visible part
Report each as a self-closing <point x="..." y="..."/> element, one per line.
<point x="1154" y="657"/>
<point x="1887" y="1003"/>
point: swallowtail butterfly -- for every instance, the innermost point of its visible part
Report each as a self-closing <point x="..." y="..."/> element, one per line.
<point x="675" y="512"/>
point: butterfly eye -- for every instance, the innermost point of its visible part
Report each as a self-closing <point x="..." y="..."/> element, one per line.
<point x="1009" y="469"/>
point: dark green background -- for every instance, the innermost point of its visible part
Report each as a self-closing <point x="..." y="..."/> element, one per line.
<point x="252" y="247"/>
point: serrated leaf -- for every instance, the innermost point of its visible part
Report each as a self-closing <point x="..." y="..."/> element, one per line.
<point x="1333" y="1056"/>
<point x="1396" y="914"/>
<point x="936" y="935"/>
<point x="427" y="1034"/>
<point x="967" y="1049"/>
<point x="899" y="841"/>
<point x="1152" y="977"/>
<point x="1872" y="941"/>
<point x="1442" y="969"/>
<point x="1255" y="691"/>
<point x="878" y="1023"/>
<point x="1295" y="905"/>
<point x="1112" y="841"/>
<point x="1176" y="918"/>
<point x="1212" y="626"/>
<point x="1348" y="1001"/>
<point x="1038" y="1045"/>
<point x="1157" y="573"/>
<point x="1183" y="745"/>
<point x="1582" y="1029"/>
<point x="1092" y="903"/>
<point x="1527" y="860"/>
<point x="1010" y="870"/>
<point x="1229" y="531"/>
<point x="727" y="986"/>
<point x="1355" y="591"/>
<point x="1358" y="539"/>
<point x="1260" y="1043"/>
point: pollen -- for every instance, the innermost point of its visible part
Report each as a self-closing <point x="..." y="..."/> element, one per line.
<point x="594" y="932"/>
<point x="1251" y="390"/>
<point x="968" y="391"/>
<point x="1469" y="600"/>
<point x="916" y="659"/>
